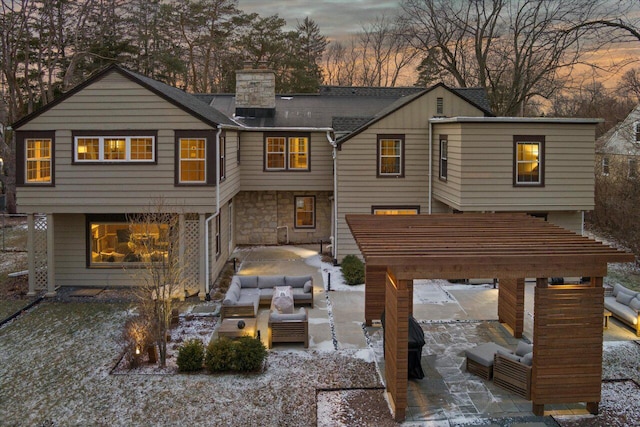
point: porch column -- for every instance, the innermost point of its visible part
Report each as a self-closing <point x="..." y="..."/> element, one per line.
<point x="511" y="305"/>
<point x="31" y="235"/>
<point x="396" y="341"/>
<point x="374" y="291"/>
<point x="51" y="265"/>
<point x="182" y="243"/>
<point x="202" y="265"/>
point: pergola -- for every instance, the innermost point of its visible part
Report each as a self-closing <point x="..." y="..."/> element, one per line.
<point x="567" y="334"/>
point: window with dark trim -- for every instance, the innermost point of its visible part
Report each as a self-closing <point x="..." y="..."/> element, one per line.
<point x="114" y="146"/>
<point x="636" y="131"/>
<point x="395" y="210"/>
<point x="528" y="160"/>
<point x="223" y="154"/>
<point x="305" y="212"/>
<point x="113" y="241"/>
<point x="35" y="154"/>
<point x="444" y="153"/>
<point x="195" y="158"/>
<point x="390" y="156"/>
<point x="605" y="166"/>
<point x="439" y="106"/>
<point x="287" y="152"/>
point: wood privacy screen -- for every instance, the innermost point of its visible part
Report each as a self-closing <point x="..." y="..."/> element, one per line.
<point x="567" y="356"/>
<point x="400" y="248"/>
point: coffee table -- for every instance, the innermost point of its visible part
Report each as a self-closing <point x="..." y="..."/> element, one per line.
<point x="229" y="327"/>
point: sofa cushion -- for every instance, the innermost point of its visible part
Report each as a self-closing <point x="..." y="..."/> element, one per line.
<point x="296" y="281"/>
<point x="308" y="286"/>
<point x="621" y="311"/>
<point x="229" y="301"/>
<point x="300" y="315"/>
<point x="527" y="359"/>
<point x="484" y="353"/>
<point x="624" y="298"/>
<point x="270" y="281"/>
<point x="234" y="291"/>
<point x="635" y="304"/>
<point x="509" y="355"/>
<point x="618" y="288"/>
<point x="523" y="348"/>
<point x="248" y="281"/>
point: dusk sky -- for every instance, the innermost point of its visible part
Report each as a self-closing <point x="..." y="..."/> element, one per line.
<point x="335" y="18"/>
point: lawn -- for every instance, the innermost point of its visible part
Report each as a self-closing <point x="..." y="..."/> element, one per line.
<point x="56" y="363"/>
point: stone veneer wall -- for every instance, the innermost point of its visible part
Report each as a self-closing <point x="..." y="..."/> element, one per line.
<point x="255" y="88"/>
<point x="259" y="214"/>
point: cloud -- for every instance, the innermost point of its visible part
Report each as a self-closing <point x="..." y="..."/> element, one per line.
<point x="336" y="18"/>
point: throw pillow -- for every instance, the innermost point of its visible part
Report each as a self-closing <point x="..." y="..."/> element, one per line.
<point x="228" y="301"/>
<point x="635" y="304"/>
<point x="523" y="348"/>
<point x="308" y="286"/>
<point x="527" y="359"/>
<point x="624" y="298"/>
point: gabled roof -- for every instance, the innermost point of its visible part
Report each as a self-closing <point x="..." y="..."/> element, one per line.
<point x="188" y="103"/>
<point x="621" y="139"/>
<point x="462" y="93"/>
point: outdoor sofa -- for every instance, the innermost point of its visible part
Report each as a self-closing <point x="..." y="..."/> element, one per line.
<point x="247" y="293"/>
<point x="624" y="305"/>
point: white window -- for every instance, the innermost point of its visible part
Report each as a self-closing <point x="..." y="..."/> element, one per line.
<point x="528" y="161"/>
<point x="287" y="153"/>
<point x="114" y="149"/>
<point x="38" y="165"/>
<point x="193" y="153"/>
<point x="390" y="156"/>
<point x="305" y="212"/>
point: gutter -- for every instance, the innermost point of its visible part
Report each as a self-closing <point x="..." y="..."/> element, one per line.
<point x="334" y="242"/>
<point x="207" y="221"/>
<point x="430" y="191"/>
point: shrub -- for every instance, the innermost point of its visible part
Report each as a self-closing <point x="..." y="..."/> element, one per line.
<point x="190" y="356"/>
<point x="250" y="354"/>
<point x="219" y="356"/>
<point x="246" y="354"/>
<point x="352" y="270"/>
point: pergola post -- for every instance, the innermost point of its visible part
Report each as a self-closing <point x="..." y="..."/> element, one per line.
<point x="567" y="336"/>
<point x="511" y="305"/>
<point x="374" y="292"/>
<point x="396" y="342"/>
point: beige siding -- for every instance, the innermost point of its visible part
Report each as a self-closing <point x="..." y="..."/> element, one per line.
<point x="254" y="178"/>
<point x="115" y="103"/>
<point x="231" y="185"/>
<point x="481" y="167"/>
<point x="358" y="186"/>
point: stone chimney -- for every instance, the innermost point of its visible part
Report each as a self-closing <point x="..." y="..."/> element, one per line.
<point x="255" y="92"/>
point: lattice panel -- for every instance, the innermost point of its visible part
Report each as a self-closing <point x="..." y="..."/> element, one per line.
<point x="40" y="252"/>
<point x="191" y="253"/>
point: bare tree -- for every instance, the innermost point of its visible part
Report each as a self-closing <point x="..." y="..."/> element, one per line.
<point x="386" y="52"/>
<point x="340" y="64"/>
<point x="155" y="241"/>
<point x="515" y="49"/>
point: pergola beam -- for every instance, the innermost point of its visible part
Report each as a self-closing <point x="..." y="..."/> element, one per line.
<point x="399" y="249"/>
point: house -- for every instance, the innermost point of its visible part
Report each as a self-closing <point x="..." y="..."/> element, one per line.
<point x="255" y="167"/>
<point x="618" y="150"/>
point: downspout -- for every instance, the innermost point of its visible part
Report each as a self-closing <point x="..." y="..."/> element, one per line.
<point x="334" y="243"/>
<point x="430" y="164"/>
<point x="208" y="220"/>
